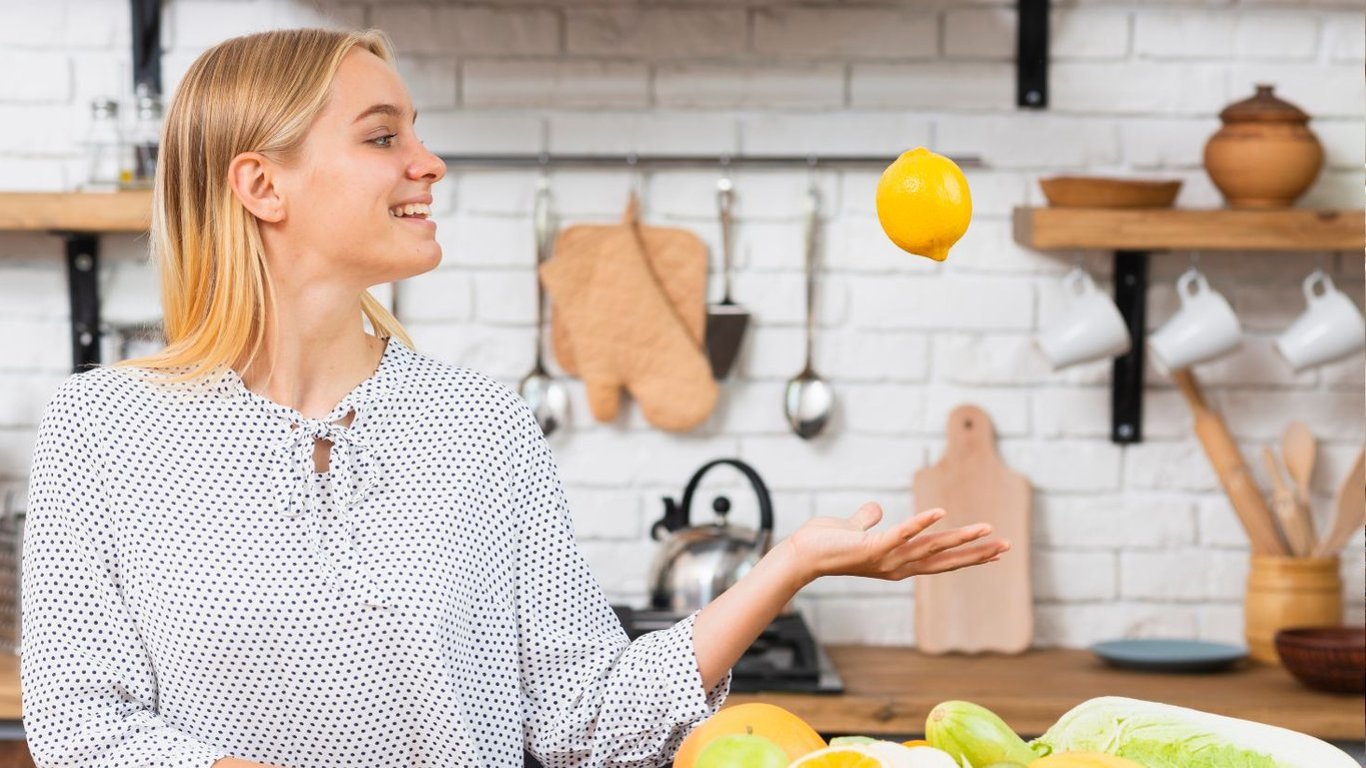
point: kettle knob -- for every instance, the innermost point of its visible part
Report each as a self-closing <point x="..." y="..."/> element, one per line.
<point x="721" y="506"/>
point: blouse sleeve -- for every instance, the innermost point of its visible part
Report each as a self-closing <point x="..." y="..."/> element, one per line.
<point x="591" y="697"/>
<point x="88" y="685"/>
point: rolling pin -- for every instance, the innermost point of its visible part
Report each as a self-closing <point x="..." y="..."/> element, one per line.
<point x="1223" y="454"/>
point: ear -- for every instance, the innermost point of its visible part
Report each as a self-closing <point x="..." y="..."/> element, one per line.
<point x="252" y="178"/>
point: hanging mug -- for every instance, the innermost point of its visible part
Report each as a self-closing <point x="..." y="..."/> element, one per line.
<point x="1330" y="328"/>
<point x="1092" y="328"/>
<point x="1205" y="327"/>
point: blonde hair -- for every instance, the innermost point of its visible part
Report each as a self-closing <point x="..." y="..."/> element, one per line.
<point x="260" y="93"/>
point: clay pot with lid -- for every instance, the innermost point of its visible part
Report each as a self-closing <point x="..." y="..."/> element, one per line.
<point x="1264" y="156"/>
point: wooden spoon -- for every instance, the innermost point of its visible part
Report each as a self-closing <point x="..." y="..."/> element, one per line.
<point x="1349" y="511"/>
<point x="1299" y="539"/>
<point x="1297" y="449"/>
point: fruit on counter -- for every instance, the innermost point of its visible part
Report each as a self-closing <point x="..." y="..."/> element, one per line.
<point x="915" y="743"/>
<point x="973" y="733"/>
<point x="1083" y="760"/>
<point x="1166" y="736"/>
<point x="785" y="729"/>
<point x="844" y="741"/>
<point x="846" y="756"/>
<point x="923" y="203"/>
<point x="742" y="750"/>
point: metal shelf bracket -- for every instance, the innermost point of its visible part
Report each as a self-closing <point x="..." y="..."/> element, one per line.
<point x="1031" y="54"/>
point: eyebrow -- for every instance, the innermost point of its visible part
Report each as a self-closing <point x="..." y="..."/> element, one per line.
<point x="383" y="109"/>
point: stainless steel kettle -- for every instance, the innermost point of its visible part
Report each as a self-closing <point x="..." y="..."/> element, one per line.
<point x="698" y="563"/>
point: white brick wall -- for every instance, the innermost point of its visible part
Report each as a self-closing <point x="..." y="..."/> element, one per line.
<point x="1135" y="540"/>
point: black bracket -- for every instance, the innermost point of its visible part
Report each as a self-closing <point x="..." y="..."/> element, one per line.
<point x="1031" y="54"/>
<point x="82" y="278"/>
<point x="147" y="44"/>
<point x="1126" y="383"/>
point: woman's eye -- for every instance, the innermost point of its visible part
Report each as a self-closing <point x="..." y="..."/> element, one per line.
<point x="385" y="138"/>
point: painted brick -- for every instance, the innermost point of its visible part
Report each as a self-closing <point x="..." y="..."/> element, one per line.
<point x="834" y="460"/>
<point x="1153" y="465"/>
<point x="473" y="132"/>
<point x="938" y="85"/>
<point x="31" y="174"/>
<point x="1322" y="90"/>
<point x="1344" y="142"/>
<point x="1007" y="360"/>
<point x="845" y="32"/>
<point x="1344" y="36"/>
<point x="1182" y="575"/>
<point x="1126" y="87"/>
<point x="30" y="25"/>
<point x="468" y="31"/>
<point x="729" y="86"/>
<point x="655" y="32"/>
<point x="775" y="194"/>
<point x="980" y="33"/>
<point x="505" y="296"/>
<point x="1124" y="521"/>
<point x="1276" y="35"/>
<point x="752" y="407"/>
<point x="46" y="78"/>
<point x="24" y="397"/>
<point x="1261" y="415"/>
<point x="1078" y="625"/>
<point x="1066" y="466"/>
<point x="949" y="303"/>
<point x="1087" y="33"/>
<point x="90" y="24"/>
<point x="431" y="83"/>
<point x="502" y="352"/>
<point x="1222" y="624"/>
<point x="1046" y="142"/>
<point x="558" y="84"/>
<point x="825" y="134"/>
<point x="486" y="241"/>
<point x="64" y="123"/>
<point x="882" y="409"/>
<point x="606" y="514"/>
<point x="16" y="453"/>
<point x="856" y="243"/>
<point x="657" y="133"/>
<point x="886" y="621"/>
<point x="36" y="345"/>
<point x="1184" y="34"/>
<point x="1167" y="142"/>
<point x="1055" y="576"/>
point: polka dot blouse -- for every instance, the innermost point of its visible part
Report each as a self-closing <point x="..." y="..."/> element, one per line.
<point x="193" y="588"/>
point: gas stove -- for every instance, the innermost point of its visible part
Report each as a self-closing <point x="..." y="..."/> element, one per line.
<point x="785" y="657"/>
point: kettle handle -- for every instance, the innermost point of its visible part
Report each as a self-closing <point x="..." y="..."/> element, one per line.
<point x="761" y="536"/>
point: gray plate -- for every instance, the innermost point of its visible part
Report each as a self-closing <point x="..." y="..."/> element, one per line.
<point x="1160" y="655"/>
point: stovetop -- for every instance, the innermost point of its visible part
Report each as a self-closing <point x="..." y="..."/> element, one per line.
<point x="785" y="657"/>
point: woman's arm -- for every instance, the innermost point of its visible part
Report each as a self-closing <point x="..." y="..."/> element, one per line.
<point x="827" y="546"/>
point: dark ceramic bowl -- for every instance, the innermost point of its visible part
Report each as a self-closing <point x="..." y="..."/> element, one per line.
<point x="1326" y="658"/>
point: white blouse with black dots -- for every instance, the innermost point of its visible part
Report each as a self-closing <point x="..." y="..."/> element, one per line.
<point x="193" y="588"/>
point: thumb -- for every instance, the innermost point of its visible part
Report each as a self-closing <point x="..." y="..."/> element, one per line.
<point x="867" y="515"/>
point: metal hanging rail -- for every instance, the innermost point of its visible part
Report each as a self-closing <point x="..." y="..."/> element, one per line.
<point x="638" y="162"/>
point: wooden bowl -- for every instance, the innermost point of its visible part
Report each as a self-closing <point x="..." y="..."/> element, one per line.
<point x="1098" y="192"/>
<point x="1326" y="658"/>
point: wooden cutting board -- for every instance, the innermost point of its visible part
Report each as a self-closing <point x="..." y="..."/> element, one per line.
<point x="987" y="607"/>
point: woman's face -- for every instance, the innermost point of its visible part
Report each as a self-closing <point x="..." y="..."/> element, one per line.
<point x="361" y="159"/>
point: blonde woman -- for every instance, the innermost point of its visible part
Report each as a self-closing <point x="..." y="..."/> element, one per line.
<point x="284" y="540"/>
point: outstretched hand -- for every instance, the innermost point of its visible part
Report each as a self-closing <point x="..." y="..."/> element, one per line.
<point x="832" y="546"/>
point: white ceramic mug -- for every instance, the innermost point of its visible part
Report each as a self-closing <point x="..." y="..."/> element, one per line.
<point x="1204" y="328"/>
<point x="1091" y="329"/>
<point x="1330" y="328"/>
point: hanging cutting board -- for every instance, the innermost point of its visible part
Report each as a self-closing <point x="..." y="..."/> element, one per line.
<point x="987" y="607"/>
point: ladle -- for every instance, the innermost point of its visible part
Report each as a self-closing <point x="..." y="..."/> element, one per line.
<point x="546" y="395"/>
<point x="809" y="399"/>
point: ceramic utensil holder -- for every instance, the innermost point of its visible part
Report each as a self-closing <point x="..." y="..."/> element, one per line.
<point x="1285" y="592"/>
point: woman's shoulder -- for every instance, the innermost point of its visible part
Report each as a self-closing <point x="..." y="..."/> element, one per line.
<point x="467" y="389"/>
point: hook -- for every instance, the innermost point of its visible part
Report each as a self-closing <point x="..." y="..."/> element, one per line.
<point x="631" y="161"/>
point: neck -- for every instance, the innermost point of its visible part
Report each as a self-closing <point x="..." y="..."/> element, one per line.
<point x="319" y="348"/>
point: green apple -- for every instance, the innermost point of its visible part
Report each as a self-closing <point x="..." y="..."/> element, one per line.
<point x="742" y="750"/>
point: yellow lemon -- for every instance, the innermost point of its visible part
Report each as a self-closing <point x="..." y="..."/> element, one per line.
<point x="923" y="203"/>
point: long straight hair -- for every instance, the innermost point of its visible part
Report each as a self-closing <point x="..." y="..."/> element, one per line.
<point x="260" y="93"/>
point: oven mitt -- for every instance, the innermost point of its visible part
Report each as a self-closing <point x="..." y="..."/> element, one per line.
<point x="679" y="261"/>
<point x="624" y="330"/>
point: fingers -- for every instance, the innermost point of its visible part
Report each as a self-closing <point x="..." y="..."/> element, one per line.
<point x="931" y="544"/>
<point x="955" y="558"/>
<point x="914" y="525"/>
<point x="867" y="515"/>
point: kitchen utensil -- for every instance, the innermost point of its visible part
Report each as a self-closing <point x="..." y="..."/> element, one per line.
<point x="987" y="607"/>
<point x="809" y="399"/>
<point x="698" y="562"/>
<point x="1092" y="328"/>
<point x="1297" y="539"/>
<point x="1100" y="192"/>
<point x="1224" y="457"/>
<point x="1169" y="655"/>
<point x="1204" y="328"/>
<point x="1284" y="592"/>
<point x="1349" y="510"/>
<point x="1264" y="155"/>
<point x="726" y="322"/>
<point x="1330" y="328"/>
<point x="677" y="261"/>
<point x="1298" y="451"/>
<point x="1326" y="658"/>
<point x="548" y="398"/>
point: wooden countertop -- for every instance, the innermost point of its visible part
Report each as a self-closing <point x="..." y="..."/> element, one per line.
<point x="891" y="691"/>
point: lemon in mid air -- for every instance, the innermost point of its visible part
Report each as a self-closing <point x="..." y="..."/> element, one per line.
<point x="923" y="203"/>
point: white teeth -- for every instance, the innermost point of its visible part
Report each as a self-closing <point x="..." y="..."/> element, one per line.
<point x="411" y="208"/>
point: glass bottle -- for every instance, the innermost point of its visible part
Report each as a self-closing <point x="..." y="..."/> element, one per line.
<point x="146" y="137"/>
<point x="104" y="147"/>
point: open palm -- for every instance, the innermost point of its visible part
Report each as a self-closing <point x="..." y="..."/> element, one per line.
<point x="832" y="546"/>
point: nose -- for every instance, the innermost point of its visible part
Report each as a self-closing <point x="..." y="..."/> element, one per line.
<point x="427" y="166"/>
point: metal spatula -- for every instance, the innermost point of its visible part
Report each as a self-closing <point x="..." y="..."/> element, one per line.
<point x="726" y="322"/>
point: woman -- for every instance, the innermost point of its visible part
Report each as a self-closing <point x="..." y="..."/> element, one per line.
<point x="285" y="541"/>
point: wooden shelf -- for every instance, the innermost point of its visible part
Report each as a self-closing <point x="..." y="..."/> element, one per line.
<point x="1164" y="229"/>
<point x="123" y="211"/>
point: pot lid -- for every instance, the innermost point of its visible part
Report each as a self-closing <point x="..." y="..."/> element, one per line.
<point x="1263" y="107"/>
